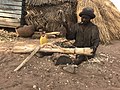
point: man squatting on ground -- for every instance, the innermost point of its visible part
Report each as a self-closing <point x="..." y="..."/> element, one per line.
<point x="85" y="34"/>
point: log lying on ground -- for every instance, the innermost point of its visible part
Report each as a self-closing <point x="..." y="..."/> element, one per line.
<point x="86" y="51"/>
<point x="53" y="33"/>
<point x="24" y="49"/>
<point x="49" y="34"/>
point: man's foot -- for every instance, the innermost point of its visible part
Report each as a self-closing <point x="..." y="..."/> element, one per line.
<point x="40" y="55"/>
<point x="70" y="68"/>
<point x="63" y="60"/>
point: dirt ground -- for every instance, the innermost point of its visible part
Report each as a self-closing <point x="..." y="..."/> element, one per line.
<point x="100" y="73"/>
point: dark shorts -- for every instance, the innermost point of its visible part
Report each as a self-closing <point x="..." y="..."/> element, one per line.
<point x="81" y="58"/>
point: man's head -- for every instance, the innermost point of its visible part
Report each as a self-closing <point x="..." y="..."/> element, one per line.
<point x="85" y="19"/>
<point x="87" y="14"/>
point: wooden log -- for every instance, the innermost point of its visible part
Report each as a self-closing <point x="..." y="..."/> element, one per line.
<point x="53" y="33"/>
<point x="49" y="35"/>
<point x="86" y="51"/>
<point x="28" y="58"/>
<point x="24" y="49"/>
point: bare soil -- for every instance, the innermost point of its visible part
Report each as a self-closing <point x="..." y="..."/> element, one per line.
<point x="100" y="73"/>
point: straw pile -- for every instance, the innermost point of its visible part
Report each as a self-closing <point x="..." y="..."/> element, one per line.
<point x="107" y="18"/>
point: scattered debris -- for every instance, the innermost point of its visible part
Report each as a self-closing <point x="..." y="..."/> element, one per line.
<point x="7" y="36"/>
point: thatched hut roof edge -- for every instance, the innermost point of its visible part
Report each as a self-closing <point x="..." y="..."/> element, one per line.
<point x="53" y="2"/>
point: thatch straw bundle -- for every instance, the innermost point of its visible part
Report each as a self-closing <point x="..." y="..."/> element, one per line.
<point x="107" y="18"/>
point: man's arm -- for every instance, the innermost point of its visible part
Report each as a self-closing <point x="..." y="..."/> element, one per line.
<point x="70" y="31"/>
<point x="95" y="38"/>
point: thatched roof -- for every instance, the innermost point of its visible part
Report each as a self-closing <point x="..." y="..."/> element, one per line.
<point x="42" y="2"/>
<point x="107" y="18"/>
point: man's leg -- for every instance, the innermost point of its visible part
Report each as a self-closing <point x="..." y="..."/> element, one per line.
<point x="79" y="59"/>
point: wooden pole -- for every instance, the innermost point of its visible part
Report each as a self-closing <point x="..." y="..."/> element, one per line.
<point x="85" y="51"/>
<point x="28" y="58"/>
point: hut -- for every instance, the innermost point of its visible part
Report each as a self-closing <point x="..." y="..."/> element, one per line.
<point x="11" y="13"/>
<point x="44" y="14"/>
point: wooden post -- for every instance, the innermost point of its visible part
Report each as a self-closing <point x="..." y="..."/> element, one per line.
<point x="28" y="58"/>
<point x="23" y="49"/>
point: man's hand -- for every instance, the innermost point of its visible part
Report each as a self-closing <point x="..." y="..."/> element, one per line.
<point x="94" y="49"/>
<point x="62" y="15"/>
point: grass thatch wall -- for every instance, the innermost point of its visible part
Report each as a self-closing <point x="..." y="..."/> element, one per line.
<point x="41" y="2"/>
<point x="107" y="18"/>
<point x="44" y="14"/>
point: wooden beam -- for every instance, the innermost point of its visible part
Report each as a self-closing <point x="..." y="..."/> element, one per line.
<point x="28" y="58"/>
<point x="26" y="49"/>
<point x="9" y="15"/>
<point x="8" y="24"/>
<point x="18" y="12"/>
<point x="11" y="2"/>
<point x="9" y="20"/>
